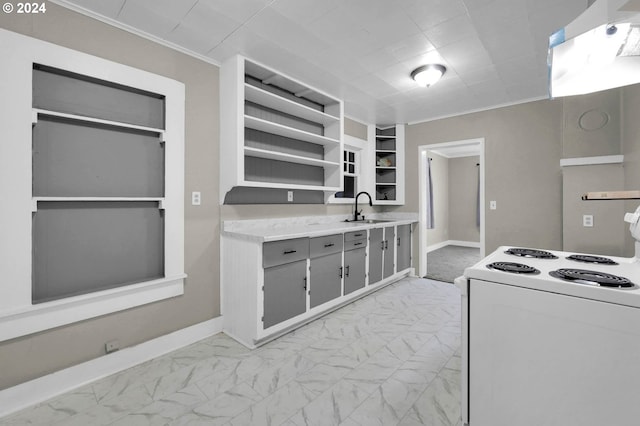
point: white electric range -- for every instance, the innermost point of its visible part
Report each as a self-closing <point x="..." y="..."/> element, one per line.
<point x="551" y="338"/>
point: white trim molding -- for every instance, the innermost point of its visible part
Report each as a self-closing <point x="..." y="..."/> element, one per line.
<point x="26" y="394"/>
<point x="473" y="244"/>
<point x="592" y="161"/>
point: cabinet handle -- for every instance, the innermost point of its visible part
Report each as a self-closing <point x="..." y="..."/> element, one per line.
<point x="381" y="245"/>
<point x="329" y="245"/>
<point x="289" y="251"/>
<point x="358" y="244"/>
<point x="398" y="241"/>
<point x="341" y="272"/>
<point x="347" y="273"/>
<point x="358" y="235"/>
<point x="386" y="244"/>
<point x="305" y="283"/>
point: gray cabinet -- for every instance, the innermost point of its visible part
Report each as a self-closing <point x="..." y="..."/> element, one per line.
<point x="376" y="250"/>
<point x="355" y="261"/>
<point x="285" y="279"/>
<point x="285" y="292"/>
<point x="354" y="270"/>
<point x="404" y="247"/>
<point x="389" y="251"/>
<point x="325" y="277"/>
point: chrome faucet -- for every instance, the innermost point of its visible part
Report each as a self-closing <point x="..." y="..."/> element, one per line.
<point x="356" y="213"/>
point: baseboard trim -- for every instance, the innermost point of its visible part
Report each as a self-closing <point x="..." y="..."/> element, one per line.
<point x="26" y="394"/>
<point x="439" y="245"/>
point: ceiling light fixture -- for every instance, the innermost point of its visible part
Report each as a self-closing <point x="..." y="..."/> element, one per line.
<point x="428" y="75"/>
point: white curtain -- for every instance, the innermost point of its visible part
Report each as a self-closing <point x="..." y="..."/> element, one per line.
<point x="429" y="196"/>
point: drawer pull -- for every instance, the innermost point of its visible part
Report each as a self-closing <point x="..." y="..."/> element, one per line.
<point x="289" y="251"/>
<point x="329" y="245"/>
<point x="358" y="235"/>
<point x="358" y="243"/>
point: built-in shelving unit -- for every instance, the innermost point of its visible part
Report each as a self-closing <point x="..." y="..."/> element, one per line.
<point x="277" y="132"/>
<point x="389" y="165"/>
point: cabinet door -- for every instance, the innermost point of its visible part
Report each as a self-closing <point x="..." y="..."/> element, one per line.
<point x="285" y="288"/>
<point x="389" y="251"/>
<point x="375" y="255"/>
<point x="325" y="279"/>
<point x="404" y="247"/>
<point x="354" y="270"/>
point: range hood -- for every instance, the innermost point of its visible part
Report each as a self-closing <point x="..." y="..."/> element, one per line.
<point x="598" y="50"/>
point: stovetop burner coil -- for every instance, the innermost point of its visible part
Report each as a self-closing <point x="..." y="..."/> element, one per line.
<point x="586" y="258"/>
<point x="592" y="277"/>
<point x="531" y="253"/>
<point x="514" y="268"/>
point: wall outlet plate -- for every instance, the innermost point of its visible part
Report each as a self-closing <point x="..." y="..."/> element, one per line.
<point x="493" y="205"/>
<point x="111" y="346"/>
<point x="290" y="196"/>
<point x="196" y="198"/>
<point x="587" y="220"/>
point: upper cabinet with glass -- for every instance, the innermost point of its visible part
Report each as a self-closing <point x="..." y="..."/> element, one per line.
<point x="277" y="132"/>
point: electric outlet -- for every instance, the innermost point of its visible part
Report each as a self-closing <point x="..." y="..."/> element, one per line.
<point x="196" y="198"/>
<point x="111" y="346"/>
<point x="493" y="205"/>
<point x="587" y="220"/>
<point x="290" y="196"/>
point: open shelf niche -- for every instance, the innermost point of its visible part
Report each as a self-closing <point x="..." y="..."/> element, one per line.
<point x="277" y="132"/>
<point x="389" y="164"/>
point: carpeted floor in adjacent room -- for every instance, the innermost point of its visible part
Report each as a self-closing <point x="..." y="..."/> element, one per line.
<point x="449" y="262"/>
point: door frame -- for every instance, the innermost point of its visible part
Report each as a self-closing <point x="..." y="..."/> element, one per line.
<point x="422" y="209"/>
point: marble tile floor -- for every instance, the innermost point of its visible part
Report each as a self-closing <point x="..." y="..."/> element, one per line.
<point x="390" y="358"/>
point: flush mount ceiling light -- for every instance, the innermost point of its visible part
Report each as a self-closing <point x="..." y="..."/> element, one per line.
<point x="427" y="75"/>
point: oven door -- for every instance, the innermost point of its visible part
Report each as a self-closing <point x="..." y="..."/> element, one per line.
<point x="463" y="284"/>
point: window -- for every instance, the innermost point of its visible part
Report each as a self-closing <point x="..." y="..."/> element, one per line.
<point x="92" y="180"/>
<point x="351" y="174"/>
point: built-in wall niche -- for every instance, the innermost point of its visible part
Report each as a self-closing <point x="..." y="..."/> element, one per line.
<point x="281" y="133"/>
<point x="389" y="164"/>
<point x="93" y="184"/>
<point x="98" y="184"/>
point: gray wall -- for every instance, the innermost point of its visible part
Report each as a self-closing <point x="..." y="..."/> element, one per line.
<point x="631" y="151"/>
<point x="607" y="236"/>
<point x="523" y="146"/>
<point x="440" y="184"/>
<point x="463" y="199"/>
<point x="32" y="356"/>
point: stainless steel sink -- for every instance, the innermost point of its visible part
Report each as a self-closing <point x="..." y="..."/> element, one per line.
<point x="369" y="221"/>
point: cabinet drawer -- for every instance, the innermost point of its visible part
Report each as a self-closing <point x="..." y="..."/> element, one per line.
<point x="321" y="246"/>
<point x="286" y="251"/>
<point x="355" y="235"/>
<point x="352" y="245"/>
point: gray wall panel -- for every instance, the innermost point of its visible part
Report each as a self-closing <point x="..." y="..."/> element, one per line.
<point x="85" y="247"/>
<point x="60" y="91"/>
<point x="76" y="159"/>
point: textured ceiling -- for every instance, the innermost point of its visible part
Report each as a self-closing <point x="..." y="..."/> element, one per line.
<point x="364" y="50"/>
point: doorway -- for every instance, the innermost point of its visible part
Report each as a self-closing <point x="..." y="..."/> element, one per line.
<point x="453" y="149"/>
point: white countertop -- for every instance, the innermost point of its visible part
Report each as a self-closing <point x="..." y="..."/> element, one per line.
<point x="264" y="230"/>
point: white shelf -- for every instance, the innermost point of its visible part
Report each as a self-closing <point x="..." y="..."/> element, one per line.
<point x="290" y="158"/>
<point x="385" y="168"/>
<point x="277" y="185"/>
<point x="288" y="132"/>
<point x="35" y="200"/>
<point x="385" y="184"/>
<point x="271" y="100"/>
<point x="49" y="113"/>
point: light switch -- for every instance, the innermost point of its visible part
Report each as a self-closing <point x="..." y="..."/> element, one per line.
<point x="195" y="198"/>
<point x="290" y="196"/>
<point x="493" y="205"/>
<point x="587" y="220"/>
